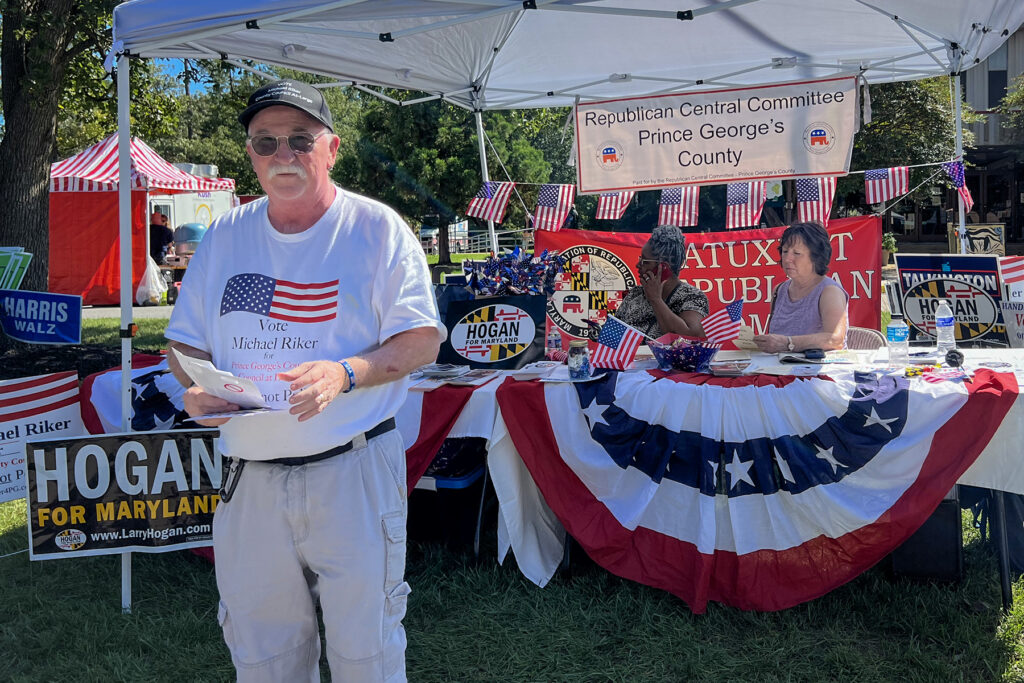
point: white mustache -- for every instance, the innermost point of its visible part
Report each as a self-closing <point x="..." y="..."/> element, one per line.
<point x="278" y="169"/>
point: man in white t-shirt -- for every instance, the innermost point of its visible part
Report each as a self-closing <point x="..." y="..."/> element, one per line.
<point x="323" y="299"/>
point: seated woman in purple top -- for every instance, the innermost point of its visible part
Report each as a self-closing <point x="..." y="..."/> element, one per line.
<point x="809" y="309"/>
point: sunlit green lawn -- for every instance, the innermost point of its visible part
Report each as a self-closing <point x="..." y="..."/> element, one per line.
<point x="479" y="621"/>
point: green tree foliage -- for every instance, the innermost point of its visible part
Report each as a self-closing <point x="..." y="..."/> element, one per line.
<point x="210" y="96"/>
<point x="39" y="41"/>
<point x="423" y="159"/>
<point x="88" y="104"/>
<point x="912" y="123"/>
<point x="1012" y="109"/>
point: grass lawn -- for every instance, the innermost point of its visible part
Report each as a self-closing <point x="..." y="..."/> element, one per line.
<point x="457" y="258"/>
<point x="479" y="621"/>
<point x="104" y="331"/>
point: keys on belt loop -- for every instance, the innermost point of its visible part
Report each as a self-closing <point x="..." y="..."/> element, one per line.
<point x="231" y="481"/>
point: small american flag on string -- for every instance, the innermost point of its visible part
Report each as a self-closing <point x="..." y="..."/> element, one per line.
<point x="814" y="199"/>
<point x="724" y="325"/>
<point x="743" y="204"/>
<point x="882" y="184"/>
<point x="616" y="345"/>
<point x="490" y="202"/>
<point x="955" y="171"/>
<point x="611" y="205"/>
<point x="553" y="204"/>
<point x="297" y="302"/>
<point x="1011" y="269"/>
<point x="678" y="206"/>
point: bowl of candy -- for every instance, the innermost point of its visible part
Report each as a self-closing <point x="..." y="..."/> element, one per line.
<point x="675" y="352"/>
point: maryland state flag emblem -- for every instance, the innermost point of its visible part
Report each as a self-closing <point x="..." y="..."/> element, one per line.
<point x="498" y="332"/>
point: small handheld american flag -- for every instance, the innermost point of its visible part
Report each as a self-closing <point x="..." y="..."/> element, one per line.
<point x="724" y="325"/>
<point x="616" y="345"/>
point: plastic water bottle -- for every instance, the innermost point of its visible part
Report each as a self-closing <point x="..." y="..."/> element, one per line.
<point x="897" y="335"/>
<point x="945" y="338"/>
<point x="554" y="342"/>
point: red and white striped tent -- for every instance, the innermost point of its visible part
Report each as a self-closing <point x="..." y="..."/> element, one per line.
<point x="84" y="254"/>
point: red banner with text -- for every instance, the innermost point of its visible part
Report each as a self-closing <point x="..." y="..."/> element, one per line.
<point x="724" y="265"/>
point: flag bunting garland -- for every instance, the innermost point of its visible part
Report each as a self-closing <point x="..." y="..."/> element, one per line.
<point x="611" y="205"/>
<point x="553" y="204"/>
<point x="490" y="202"/>
<point x="814" y="199"/>
<point x="882" y="184"/>
<point x="679" y="206"/>
<point x="955" y="171"/>
<point x="743" y="204"/>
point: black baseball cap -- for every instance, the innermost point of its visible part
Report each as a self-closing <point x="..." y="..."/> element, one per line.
<point x="296" y="94"/>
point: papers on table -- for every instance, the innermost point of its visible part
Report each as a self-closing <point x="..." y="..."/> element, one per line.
<point x="537" y="370"/>
<point x="437" y="375"/>
<point x="441" y="370"/>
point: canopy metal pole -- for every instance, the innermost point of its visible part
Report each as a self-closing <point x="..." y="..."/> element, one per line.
<point x="124" y="202"/>
<point x="962" y="232"/>
<point x="483" y="172"/>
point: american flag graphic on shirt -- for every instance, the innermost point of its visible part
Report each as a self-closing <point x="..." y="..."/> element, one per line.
<point x="298" y="302"/>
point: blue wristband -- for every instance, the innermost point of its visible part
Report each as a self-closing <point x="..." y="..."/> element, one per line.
<point x="351" y="376"/>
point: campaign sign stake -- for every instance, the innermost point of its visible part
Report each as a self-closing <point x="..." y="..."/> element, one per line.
<point x="115" y="493"/>
<point x="41" y="317"/>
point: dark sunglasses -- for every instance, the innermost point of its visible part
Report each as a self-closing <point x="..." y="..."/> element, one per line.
<point x="300" y="143"/>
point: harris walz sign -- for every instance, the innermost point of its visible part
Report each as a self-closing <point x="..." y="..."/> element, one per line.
<point x="145" y="492"/>
<point x="501" y="332"/>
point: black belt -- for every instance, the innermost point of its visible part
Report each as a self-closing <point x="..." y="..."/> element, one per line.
<point x="360" y="441"/>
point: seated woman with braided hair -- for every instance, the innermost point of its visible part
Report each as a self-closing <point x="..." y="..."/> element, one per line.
<point x="663" y="303"/>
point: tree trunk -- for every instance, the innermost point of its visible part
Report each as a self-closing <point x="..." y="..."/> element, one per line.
<point x="444" y="247"/>
<point x="32" y="59"/>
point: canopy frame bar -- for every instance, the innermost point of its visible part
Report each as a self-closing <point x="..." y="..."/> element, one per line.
<point x="682" y="15"/>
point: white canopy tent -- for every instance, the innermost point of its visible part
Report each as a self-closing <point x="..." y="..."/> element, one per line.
<point x="496" y="54"/>
<point x="504" y="54"/>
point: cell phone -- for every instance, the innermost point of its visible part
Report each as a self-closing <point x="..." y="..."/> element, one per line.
<point x="814" y="354"/>
<point x="663" y="272"/>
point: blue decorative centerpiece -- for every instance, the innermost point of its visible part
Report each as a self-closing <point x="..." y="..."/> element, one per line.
<point x="675" y="352"/>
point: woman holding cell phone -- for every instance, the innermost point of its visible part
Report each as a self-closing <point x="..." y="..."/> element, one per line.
<point x="663" y="303"/>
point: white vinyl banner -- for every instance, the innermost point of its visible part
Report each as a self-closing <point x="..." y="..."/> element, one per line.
<point x="40" y="407"/>
<point x="1013" y="316"/>
<point x="786" y="130"/>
